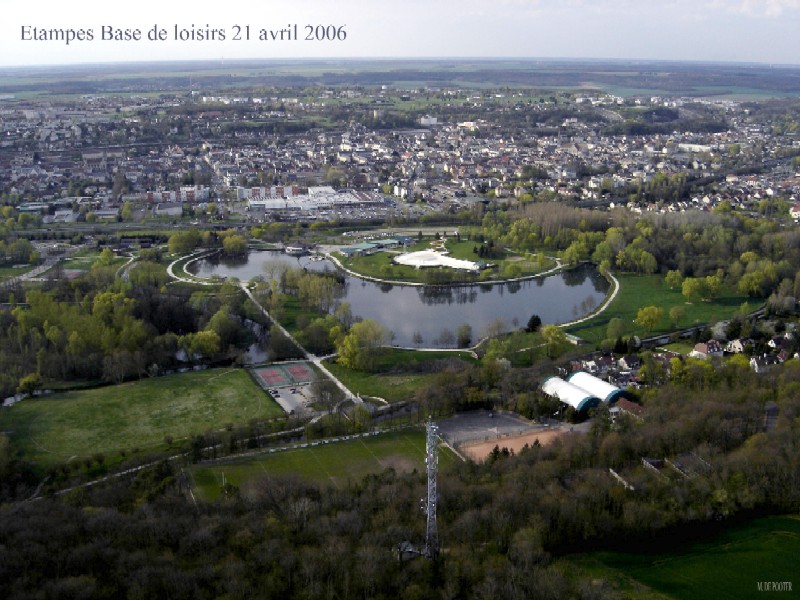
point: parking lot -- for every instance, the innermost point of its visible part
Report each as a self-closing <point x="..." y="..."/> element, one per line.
<point x="482" y="425"/>
<point x="293" y="399"/>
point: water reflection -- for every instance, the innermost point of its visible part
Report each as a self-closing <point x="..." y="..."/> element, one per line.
<point x="429" y="311"/>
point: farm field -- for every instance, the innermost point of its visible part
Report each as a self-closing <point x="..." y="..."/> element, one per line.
<point x="139" y="414"/>
<point x="333" y="463"/>
<point x="637" y="291"/>
<point x="728" y="566"/>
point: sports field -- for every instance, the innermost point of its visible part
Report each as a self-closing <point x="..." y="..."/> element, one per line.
<point x="137" y="414"/>
<point x="332" y="462"/>
<point x="280" y="375"/>
<point x="479" y="451"/>
<point x="731" y="565"/>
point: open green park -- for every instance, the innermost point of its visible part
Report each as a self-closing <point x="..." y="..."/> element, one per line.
<point x="138" y="415"/>
<point x="728" y="565"/>
<point x="333" y="463"/>
<point x="638" y="291"/>
<point x="507" y="265"/>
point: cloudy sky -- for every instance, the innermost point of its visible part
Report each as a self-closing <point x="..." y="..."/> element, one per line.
<point x="764" y="31"/>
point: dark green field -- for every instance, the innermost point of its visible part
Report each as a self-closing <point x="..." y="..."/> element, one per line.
<point x="394" y="386"/>
<point x="728" y="566"/>
<point x="332" y="463"/>
<point x="138" y="414"/>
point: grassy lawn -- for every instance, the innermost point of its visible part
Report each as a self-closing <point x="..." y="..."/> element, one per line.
<point x="729" y="565"/>
<point x="11" y="272"/>
<point x="393" y="386"/>
<point x="133" y="415"/>
<point x="330" y="463"/>
<point x="637" y="291"/>
<point x="679" y="347"/>
<point x="390" y="387"/>
<point x="380" y="265"/>
<point x="85" y="259"/>
<point x="292" y="312"/>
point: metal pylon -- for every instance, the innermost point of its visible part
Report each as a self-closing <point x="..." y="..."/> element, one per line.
<point x="432" y="462"/>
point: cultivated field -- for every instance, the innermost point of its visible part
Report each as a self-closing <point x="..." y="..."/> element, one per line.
<point x="333" y="462"/>
<point x="132" y="415"/>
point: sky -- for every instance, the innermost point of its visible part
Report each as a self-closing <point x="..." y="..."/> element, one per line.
<point x="760" y="31"/>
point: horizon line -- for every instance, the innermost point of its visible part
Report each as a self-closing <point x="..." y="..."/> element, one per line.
<point x="273" y="59"/>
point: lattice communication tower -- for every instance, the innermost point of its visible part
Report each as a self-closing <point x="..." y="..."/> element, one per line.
<point x="432" y="462"/>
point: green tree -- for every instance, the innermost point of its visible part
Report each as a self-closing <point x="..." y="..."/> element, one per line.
<point x="203" y="344"/>
<point x="693" y="288"/>
<point x="106" y="257"/>
<point x="127" y="211"/>
<point x="234" y="245"/>
<point x="673" y="279"/>
<point x="183" y="242"/>
<point x="464" y="335"/>
<point x="615" y="329"/>
<point x="534" y="323"/>
<point x="677" y="314"/>
<point x="360" y="349"/>
<point x="30" y="383"/>
<point x="555" y="340"/>
<point x="648" y="317"/>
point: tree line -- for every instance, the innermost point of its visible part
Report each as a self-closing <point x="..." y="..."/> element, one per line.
<point x="504" y="524"/>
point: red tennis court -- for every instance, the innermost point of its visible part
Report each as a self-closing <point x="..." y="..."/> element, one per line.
<point x="272" y="376"/>
<point x="300" y="373"/>
<point x="282" y="375"/>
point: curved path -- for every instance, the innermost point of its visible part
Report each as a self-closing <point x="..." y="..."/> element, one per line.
<point x="600" y="309"/>
<point x="192" y="257"/>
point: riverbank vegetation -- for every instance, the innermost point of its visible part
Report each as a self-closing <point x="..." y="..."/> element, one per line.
<point x="100" y="327"/>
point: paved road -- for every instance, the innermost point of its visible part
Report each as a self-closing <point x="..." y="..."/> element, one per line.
<point x="317" y="360"/>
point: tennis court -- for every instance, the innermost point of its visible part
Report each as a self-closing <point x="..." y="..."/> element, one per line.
<point x="275" y="376"/>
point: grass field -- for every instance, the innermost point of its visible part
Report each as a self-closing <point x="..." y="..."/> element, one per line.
<point x="728" y="566"/>
<point x="333" y="463"/>
<point x="139" y="414"/>
<point x="11" y="272"/>
<point x="637" y="291"/>
<point x="380" y="265"/>
<point x="391" y="386"/>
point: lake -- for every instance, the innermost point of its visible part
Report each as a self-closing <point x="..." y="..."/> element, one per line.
<point x="405" y="309"/>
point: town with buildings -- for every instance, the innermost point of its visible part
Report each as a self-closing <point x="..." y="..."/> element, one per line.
<point x="272" y="156"/>
<point x="250" y="324"/>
